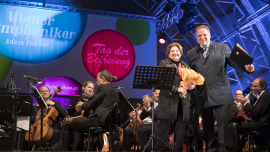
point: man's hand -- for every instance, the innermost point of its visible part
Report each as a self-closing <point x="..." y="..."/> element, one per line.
<point x="79" y="106"/>
<point x="189" y="86"/>
<point x="243" y="100"/>
<point x="250" y="67"/>
<point x="182" y="90"/>
<point x="50" y="103"/>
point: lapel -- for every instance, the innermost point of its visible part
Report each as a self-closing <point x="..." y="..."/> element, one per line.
<point x="210" y="50"/>
<point x="259" y="99"/>
<point x="195" y="54"/>
<point x="171" y="64"/>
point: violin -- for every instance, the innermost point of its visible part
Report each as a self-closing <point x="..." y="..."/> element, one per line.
<point x="48" y="118"/>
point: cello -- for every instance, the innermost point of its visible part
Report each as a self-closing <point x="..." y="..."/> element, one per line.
<point x="47" y="132"/>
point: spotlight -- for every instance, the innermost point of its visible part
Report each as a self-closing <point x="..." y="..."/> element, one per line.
<point x="162" y="38"/>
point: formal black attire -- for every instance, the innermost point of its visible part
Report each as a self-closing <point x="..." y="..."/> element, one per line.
<point x="101" y="104"/>
<point x="56" y="124"/>
<point x="259" y="114"/>
<point x="144" y="132"/>
<point x="78" y="135"/>
<point x="172" y="107"/>
<point x="215" y="93"/>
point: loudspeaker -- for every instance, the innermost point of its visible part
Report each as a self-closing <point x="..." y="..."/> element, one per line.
<point x="6" y="143"/>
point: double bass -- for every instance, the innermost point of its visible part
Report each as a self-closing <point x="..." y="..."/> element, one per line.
<point x="47" y="132"/>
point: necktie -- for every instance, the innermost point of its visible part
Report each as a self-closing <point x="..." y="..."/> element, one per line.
<point x="204" y="51"/>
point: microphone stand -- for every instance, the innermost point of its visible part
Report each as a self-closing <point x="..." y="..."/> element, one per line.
<point x="30" y="100"/>
<point x="14" y="110"/>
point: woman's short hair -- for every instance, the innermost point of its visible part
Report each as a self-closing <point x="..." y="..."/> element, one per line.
<point x="172" y="45"/>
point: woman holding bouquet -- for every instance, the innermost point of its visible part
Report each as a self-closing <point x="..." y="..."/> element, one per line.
<point x="175" y="103"/>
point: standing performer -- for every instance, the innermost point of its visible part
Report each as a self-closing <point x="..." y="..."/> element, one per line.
<point x="210" y="60"/>
<point x="101" y="104"/>
<point x="171" y="106"/>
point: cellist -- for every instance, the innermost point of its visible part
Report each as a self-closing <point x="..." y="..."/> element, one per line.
<point x="45" y="93"/>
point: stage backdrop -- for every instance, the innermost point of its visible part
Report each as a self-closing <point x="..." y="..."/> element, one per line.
<point x="66" y="49"/>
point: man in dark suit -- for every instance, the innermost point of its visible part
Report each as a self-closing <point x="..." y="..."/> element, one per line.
<point x="259" y="111"/>
<point x="146" y="116"/>
<point x="45" y="93"/>
<point x="101" y="104"/>
<point x="210" y="59"/>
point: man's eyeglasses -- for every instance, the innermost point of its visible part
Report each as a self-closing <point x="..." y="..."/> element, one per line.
<point x="238" y="94"/>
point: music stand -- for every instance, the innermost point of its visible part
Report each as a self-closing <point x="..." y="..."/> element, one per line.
<point x="42" y="105"/>
<point x="153" y="77"/>
<point x="125" y="108"/>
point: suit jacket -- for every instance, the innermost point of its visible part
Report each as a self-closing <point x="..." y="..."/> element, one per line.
<point x="145" y="114"/>
<point x="259" y="113"/>
<point x="169" y="99"/>
<point x="216" y="89"/>
<point x="79" y="99"/>
<point x="102" y="103"/>
<point x="61" y="114"/>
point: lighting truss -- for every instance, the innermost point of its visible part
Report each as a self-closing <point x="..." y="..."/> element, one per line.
<point x="77" y="10"/>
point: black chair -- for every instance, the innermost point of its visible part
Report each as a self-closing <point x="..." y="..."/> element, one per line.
<point x="112" y="128"/>
<point x="260" y="139"/>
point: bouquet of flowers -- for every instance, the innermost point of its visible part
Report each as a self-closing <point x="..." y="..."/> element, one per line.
<point x="190" y="76"/>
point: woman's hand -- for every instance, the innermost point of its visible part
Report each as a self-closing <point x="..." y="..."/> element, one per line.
<point x="189" y="86"/>
<point x="79" y="106"/>
<point x="182" y="90"/>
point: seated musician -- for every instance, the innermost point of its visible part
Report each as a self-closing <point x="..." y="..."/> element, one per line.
<point x="259" y="110"/>
<point x="101" y="104"/>
<point x="45" y="93"/>
<point x="87" y="95"/>
<point x="238" y="93"/>
<point x="145" y="116"/>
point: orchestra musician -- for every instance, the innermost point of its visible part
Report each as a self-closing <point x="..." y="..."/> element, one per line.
<point x="171" y="105"/>
<point x="87" y="95"/>
<point x="45" y="93"/>
<point x="258" y="111"/>
<point x="210" y="59"/>
<point x="146" y="117"/>
<point x="101" y="104"/>
<point x="237" y="94"/>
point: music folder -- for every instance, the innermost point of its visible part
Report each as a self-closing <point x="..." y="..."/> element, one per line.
<point x="39" y="98"/>
<point x="241" y="57"/>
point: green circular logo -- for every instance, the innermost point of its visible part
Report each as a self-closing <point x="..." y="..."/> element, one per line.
<point x="136" y="31"/>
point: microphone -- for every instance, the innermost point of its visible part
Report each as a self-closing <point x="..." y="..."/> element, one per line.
<point x="12" y="77"/>
<point x="248" y="83"/>
<point x="120" y="87"/>
<point x="32" y="78"/>
<point x="114" y="77"/>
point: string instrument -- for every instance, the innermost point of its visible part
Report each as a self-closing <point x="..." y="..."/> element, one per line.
<point x="136" y="123"/>
<point x="48" y="119"/>
<point x="84" y="113"/>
